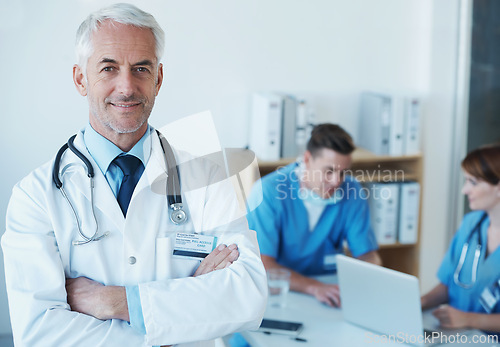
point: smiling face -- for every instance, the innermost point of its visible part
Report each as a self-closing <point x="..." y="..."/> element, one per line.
<point x="123" y="79"/>
<point x="481" y="194"/>
<point x="324" y="172"/>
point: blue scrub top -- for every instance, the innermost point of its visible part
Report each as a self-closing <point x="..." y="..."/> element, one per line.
<point x="487" y="273"/>
<point x="282" y="225"/>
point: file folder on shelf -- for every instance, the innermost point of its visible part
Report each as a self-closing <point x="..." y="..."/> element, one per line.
<point x="303" y="132"/>
<point x="389" y="124"/>
<point x="265" y="130"/>
<point x="383" y="201"/>
<point x="289" y="127"/>
<point x="374" y="123"/>
<point x="279" y="125"/>
<point x="408" y="214"/>
<point x="397" y="126"/>
<point x="412" y="131"/>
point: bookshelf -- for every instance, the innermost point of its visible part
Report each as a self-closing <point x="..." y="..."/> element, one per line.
<point x="369" y="167"/>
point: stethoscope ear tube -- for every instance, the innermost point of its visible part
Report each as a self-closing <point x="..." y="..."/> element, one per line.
<point x="57" y="162"/>
<point x="90" y="168"/>
<point x="174" y="198"/>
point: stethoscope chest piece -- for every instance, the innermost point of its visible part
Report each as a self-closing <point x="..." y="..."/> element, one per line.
<point x="177" y="216"/>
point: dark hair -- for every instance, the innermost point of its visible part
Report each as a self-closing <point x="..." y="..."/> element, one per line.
<point x="330" y="136"/>
<point x="484" y="163"/>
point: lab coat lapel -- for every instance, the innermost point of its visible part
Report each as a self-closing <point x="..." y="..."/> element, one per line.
<point x="155" y="174"/>
<point x="104" y="199"/>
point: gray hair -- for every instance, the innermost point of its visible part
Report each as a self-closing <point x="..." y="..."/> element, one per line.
<point x="121" y="13"/>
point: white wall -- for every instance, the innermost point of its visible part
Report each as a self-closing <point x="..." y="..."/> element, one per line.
<point x="442" y="123"/>
<point x="217" y="53"/>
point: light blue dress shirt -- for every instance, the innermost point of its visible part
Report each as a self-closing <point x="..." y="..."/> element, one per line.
<point x="104" y="152"/>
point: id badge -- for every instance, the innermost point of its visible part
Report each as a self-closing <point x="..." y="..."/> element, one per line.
<point x="193" y="246"/>
<point x="490" y="297"/>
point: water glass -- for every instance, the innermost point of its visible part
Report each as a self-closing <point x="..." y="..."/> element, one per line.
<point x="278" y="281"/>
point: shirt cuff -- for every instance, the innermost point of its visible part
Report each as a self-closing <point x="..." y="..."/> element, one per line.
<point x="135" y="309"/>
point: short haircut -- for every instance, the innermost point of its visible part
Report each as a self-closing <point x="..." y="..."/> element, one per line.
<point x="484" y="163"/>
<point x="121" y="13"/>
<point x="330" y="136"/>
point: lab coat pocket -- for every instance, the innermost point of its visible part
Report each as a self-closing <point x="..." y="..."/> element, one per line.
<point x="163" y="258"/>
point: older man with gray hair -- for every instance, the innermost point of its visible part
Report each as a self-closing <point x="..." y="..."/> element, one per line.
<point x="115" y="262"/>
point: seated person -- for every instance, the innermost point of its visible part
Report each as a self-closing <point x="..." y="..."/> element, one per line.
<point x="470" y="279"/>
<point x="309" y="208"/>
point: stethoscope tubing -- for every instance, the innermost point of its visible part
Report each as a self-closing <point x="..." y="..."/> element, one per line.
<point x="463" y="255"/>
<point x="177" y="216"/>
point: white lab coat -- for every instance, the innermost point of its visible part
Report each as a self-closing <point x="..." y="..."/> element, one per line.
<point x="177" y="308"/>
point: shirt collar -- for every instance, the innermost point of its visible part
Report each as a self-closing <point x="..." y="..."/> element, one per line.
<point x="104" y="151"/>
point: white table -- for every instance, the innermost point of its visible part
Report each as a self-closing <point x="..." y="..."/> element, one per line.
<point x="323" y="326"/>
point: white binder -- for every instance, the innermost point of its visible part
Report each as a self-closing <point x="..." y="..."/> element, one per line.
<point x="289" y="127"/>
<point x="389" y="123"/>
<point x="384" y="211"/>
<point x="374" y="123"/>
<point x="397" y="119"/>
<point x="412" y="131"/>
<point x="302" y="120"/>
<point x="266" y="123"/>
<point x="408" y="215"/>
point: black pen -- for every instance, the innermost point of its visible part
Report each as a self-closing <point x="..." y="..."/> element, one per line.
<point x="300" y="339"/>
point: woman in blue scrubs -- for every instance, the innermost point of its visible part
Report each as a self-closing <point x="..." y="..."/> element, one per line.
<point x="469" y="294"/>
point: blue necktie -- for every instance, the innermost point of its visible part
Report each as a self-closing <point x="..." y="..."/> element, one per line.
<point x="128" y="164"/>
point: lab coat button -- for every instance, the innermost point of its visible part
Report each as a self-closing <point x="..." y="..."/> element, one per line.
<point x="131" y="260"/>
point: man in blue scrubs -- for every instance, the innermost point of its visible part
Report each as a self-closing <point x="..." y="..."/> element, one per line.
<point x="309" y="209"/>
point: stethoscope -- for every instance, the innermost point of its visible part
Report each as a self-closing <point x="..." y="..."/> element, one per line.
<point x="477" y="256"/>
<point x="174" y="198"/>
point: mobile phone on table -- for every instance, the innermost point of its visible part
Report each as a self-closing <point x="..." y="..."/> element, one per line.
<point x="280" y="327"/>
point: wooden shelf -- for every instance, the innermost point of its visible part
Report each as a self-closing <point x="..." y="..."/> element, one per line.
<point x="368" y="167"/>
<point x="362" y="155"/>
<point x="397" y="245"/>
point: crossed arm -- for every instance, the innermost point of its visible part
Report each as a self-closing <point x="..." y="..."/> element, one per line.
<point x="110" y="302"/>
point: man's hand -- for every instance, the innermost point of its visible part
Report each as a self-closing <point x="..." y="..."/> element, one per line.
<point x="219" y="258"/>
<point x="451" y="318"/>
<point x="109" y="302"/>
<point x="94" y="299"/>
<point x="326" y="293"/>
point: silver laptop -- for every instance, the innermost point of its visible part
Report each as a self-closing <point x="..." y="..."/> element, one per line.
<point x="383" y="300"/>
